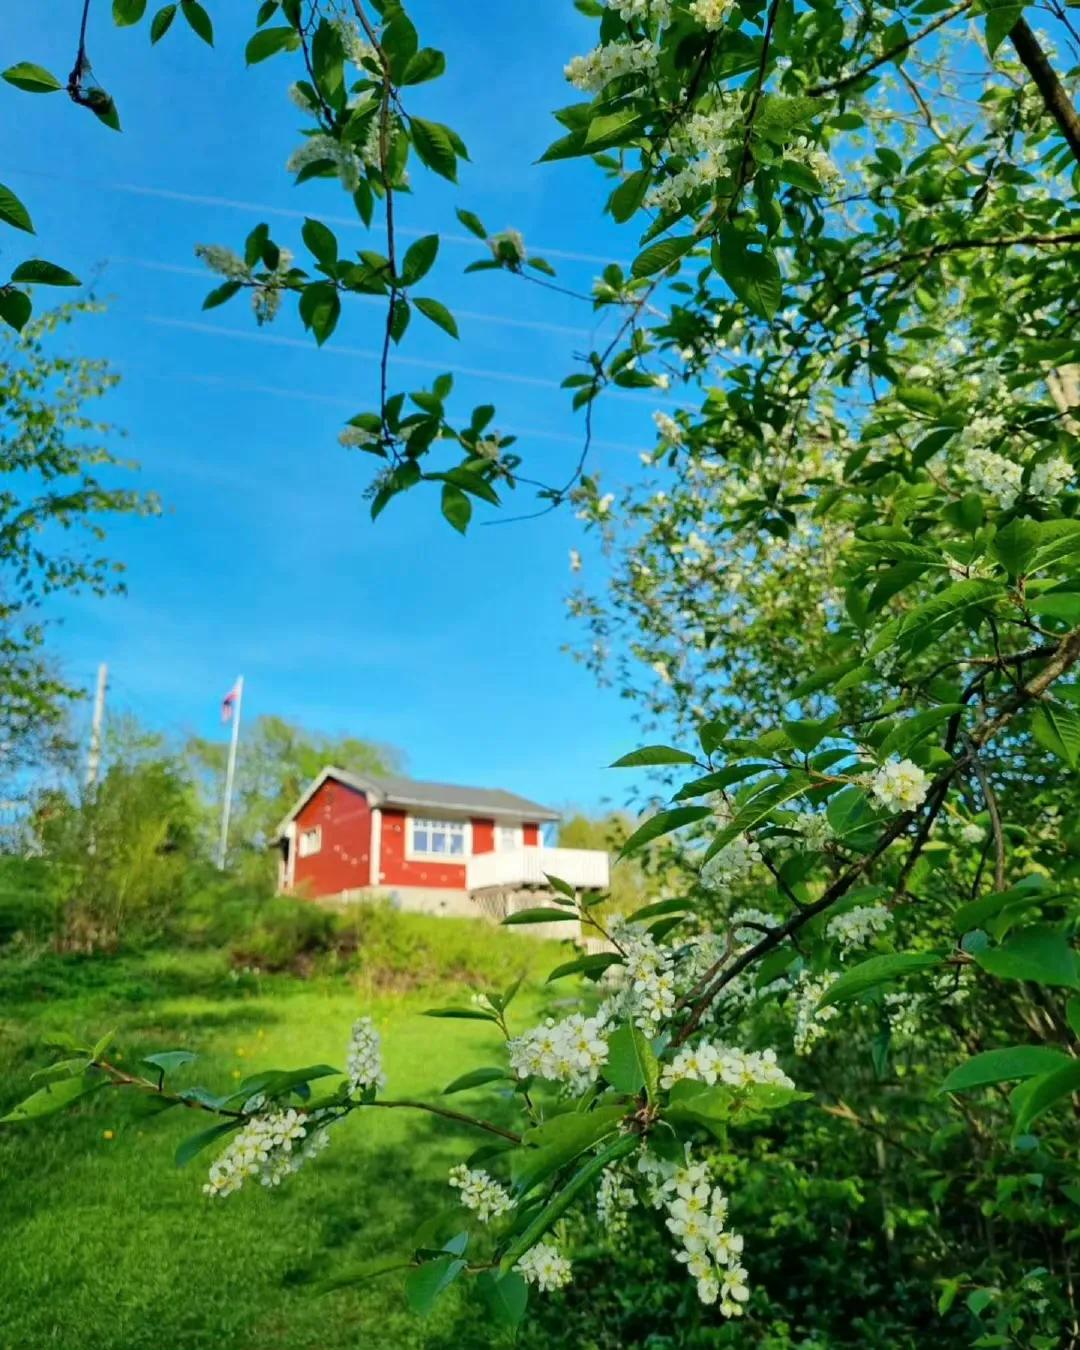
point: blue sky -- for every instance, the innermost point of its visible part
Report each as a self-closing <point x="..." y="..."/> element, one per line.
<point x="266" y="561"/>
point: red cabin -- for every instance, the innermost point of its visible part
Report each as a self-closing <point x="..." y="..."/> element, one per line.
<point x="433" y="847"/>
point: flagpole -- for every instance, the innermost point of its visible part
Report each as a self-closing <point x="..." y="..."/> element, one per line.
<point x="230" y="774"/>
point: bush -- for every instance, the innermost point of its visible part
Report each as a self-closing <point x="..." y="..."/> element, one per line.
<point x="31" y="898"/>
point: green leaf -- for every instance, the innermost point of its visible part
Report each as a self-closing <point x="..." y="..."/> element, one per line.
<point x="590" y="966"/>
<point x="557" y="1206"/>
<point x="677" y="905"/>
<point x="935" y="616"/>
<point x="426" y="1283"/>
<point x="472" y="223"/>
<point x="15" y="307"/>
<point x="474" y="1078"/>
<point x="437" y="313"/>
<point x="1057" y="728"/>
<point x="999" y="20"/>
<point x="170" y="1060"/>
<point x="35" y="271"/>
<point x="320" y="309"/>
<point x="754" y="277"/>
<point x="559" y="1140"/>
<point x="654" y="754"/>
<point x="629" y="195"/>
<point x="505" y="1296"/>
<point x="319" y="238"/>
<point x="1003" y="1066"/>
<point x="911" y="730"/>
<point x="1040" y="954"/>
<point x="1032" y="890"/>
<point x="12" y="211"/>
<point x="563" y="887"/>
<point x="875" y="971"/>
<point x="198" y="20"/>
<point x="663" y="823"/>
<point x="435" y="147"/>
<point x="268" y="42"/>
<point x="659" y="256"/>
<point x="55" y="1097"/>
<point x="220" y="294"/>
<point x="1045" y="1091"/>
<point x="462" y="1014"/>
<point x="426" y="64"/>
<point x="1061" y="539"/>
<point x="543" y="915"/>
<point x="419" y="258"/>
<point x="32" y="79"/>
<point x="631" y="1064"/>
<point x="714" y="782"/>
<point x="162" y="22"/>
<point x="399" y="319"/>
<point x="757" y="807"/>
<point x="456" y="507"/>
<point x="127" y="12"/>
<point x="610" y="129"/>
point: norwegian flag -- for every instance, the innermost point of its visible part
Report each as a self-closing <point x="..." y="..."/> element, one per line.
<point x="229" y="702"/>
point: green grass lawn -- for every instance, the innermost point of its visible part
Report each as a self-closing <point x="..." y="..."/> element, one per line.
<point x="106" y="1245"/>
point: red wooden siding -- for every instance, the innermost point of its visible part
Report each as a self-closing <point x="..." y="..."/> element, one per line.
<point x="531" y="834"/>
<point x="344" y="861"/>
<point x="397" y="870"/>
<point x="483" y="836"/>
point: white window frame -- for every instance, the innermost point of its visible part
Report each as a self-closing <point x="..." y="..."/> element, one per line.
<point x="309" y="842"/>
<point x="413" y="854"/>
<point x="519" y="837"/>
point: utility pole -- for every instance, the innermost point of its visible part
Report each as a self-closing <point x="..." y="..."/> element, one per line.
<point x="93" y="758"/>
<point x="232" y="707"/>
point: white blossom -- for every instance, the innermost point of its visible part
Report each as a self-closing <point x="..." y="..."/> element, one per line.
<point x="480" y="1192"/>
<point x="268" y="1147"/>
<point x="711" y="14"/>
<point x="1002" y="478"/>
<point x="709" y="1063"/>
<point x="900" y="785"/>
<point x="731" y="864"/>
<point x="544" y="1266"/>
<point x="1051" y="477"/>
<point x="572" y="1051"/>
<point x="223" y="261"/>
<point x="514" y="239"/>
<point x="971" y="833"/>
<point x="809" y="1018"/>
<point x="657" y="10"/>
<point x="614" y="1198"/>
<point x="323" y="147"/>
<point x="856" y="927"/>
<point x="814" y="830"/>
<point x="575" y="560"/>
<point x="363" y="1067"/>
<point x="611" y="62"/>
<point x="668" y="428"/>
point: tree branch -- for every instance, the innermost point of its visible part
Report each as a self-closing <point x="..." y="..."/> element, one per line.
<point x="845" y="81"/>
<point x="965" y="245"/>
<point x="1057" y="101"/>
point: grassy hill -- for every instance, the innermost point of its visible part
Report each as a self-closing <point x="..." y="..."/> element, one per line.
<point x="105" y="1245"/>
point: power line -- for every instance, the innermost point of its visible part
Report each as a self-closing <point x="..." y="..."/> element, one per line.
<point x="368" y="354"/>
<point x="233" y="204"/>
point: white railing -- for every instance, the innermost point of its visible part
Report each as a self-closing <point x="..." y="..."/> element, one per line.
<point x="583" y="867"/>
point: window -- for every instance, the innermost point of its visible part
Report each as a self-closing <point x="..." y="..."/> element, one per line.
<point x="310" y="841"/>
<point x="509" y="838"/>
<point x="438" y="838"/>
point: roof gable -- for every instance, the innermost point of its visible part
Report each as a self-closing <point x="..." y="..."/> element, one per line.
<point x="393" y="790"/>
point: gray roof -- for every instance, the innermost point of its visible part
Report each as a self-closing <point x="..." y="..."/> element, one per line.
<point x="451" y="797"/>
<point x="394" y="790"/>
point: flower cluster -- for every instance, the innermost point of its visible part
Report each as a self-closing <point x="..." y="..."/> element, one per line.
<point x="859" y="925"/>
<point x="480" y="1192"/>
<point x="711" y="1064"/>
<point x="357" y="49"/>
<point x="669" y="429"/>
<point x="696" y="1218"/>
<point x="572" y="1051"/>
<point x="972" y="833"/>
<point x="629" y="10"/>
<point x="544" y="1266"/>
<point x="704" y="142"/>
<point x="363" y="1067"/>
<point x="266" y="289"/>
<point x="1002" y="478"/>
<point x="507" y="243"/>
<point x="614" y="1199"/>
<point x="813" y="829"/>
<point x="733" y="862"/>
<point x="900" y="785"/>
<point x="650" y="981"/>
<point x="320" y="148"/>
<point x="711" y="14"/>
<point x="268" y="1147"/>
<point x="610" y="62"/>
<point x="749" y="925"/>
<point x="1050" y="477"/>
<point x="809" y="1018"/>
